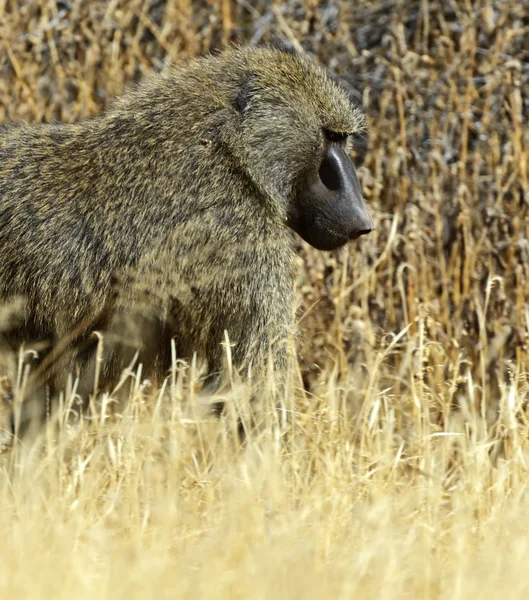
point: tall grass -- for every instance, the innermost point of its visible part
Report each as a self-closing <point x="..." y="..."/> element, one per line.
<point x="399" y="466"/>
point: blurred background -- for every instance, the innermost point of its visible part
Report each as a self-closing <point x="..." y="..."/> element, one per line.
<point x="444" y="167"/>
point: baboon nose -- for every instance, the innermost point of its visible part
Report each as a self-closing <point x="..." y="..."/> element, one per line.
<point x="358" y="232"/>
<point x="366" y="226"/>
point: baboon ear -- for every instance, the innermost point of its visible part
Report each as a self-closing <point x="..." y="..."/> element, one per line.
<point x="245" y="92"/>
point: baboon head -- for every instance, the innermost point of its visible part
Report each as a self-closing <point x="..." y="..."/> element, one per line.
<point x="294" y="129"/>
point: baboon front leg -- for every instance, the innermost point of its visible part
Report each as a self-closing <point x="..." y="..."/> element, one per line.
<point x="254" y="356"/>
<point x="7" y="417"/>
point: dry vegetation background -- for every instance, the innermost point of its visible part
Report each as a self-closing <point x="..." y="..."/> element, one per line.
<point x="402" y="469"/>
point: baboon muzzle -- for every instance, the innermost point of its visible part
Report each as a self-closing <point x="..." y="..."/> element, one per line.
<point x="331" y="210"/>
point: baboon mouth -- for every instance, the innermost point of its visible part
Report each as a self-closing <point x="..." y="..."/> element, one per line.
<point x="335" y="238"/>
<point x="332" y="232"/>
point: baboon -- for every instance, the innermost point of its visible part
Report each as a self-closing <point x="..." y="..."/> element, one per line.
<point x="179" y="205"/>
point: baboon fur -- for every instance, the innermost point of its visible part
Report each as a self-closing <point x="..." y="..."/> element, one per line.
<point x="172" y="205"/>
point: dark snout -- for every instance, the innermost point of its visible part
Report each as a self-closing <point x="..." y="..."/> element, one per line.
<point x="346" y="203"/>
<point x="330" y="210"/>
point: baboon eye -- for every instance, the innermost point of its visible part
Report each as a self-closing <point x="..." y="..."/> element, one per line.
<point x="336" y="136"/>
<point x="359" y="141"/>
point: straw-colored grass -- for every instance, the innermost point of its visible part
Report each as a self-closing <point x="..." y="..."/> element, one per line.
<point x="399" y="465"/>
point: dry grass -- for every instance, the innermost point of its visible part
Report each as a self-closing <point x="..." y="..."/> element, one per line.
<point x="401" y="469"/>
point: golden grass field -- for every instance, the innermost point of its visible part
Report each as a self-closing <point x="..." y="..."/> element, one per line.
<point x="399" y="466"/>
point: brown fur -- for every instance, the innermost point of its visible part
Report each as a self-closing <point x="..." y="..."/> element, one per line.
<point x="172" y="205"/>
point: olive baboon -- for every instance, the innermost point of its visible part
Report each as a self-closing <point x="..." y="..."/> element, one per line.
<point x="179" y="205"/>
